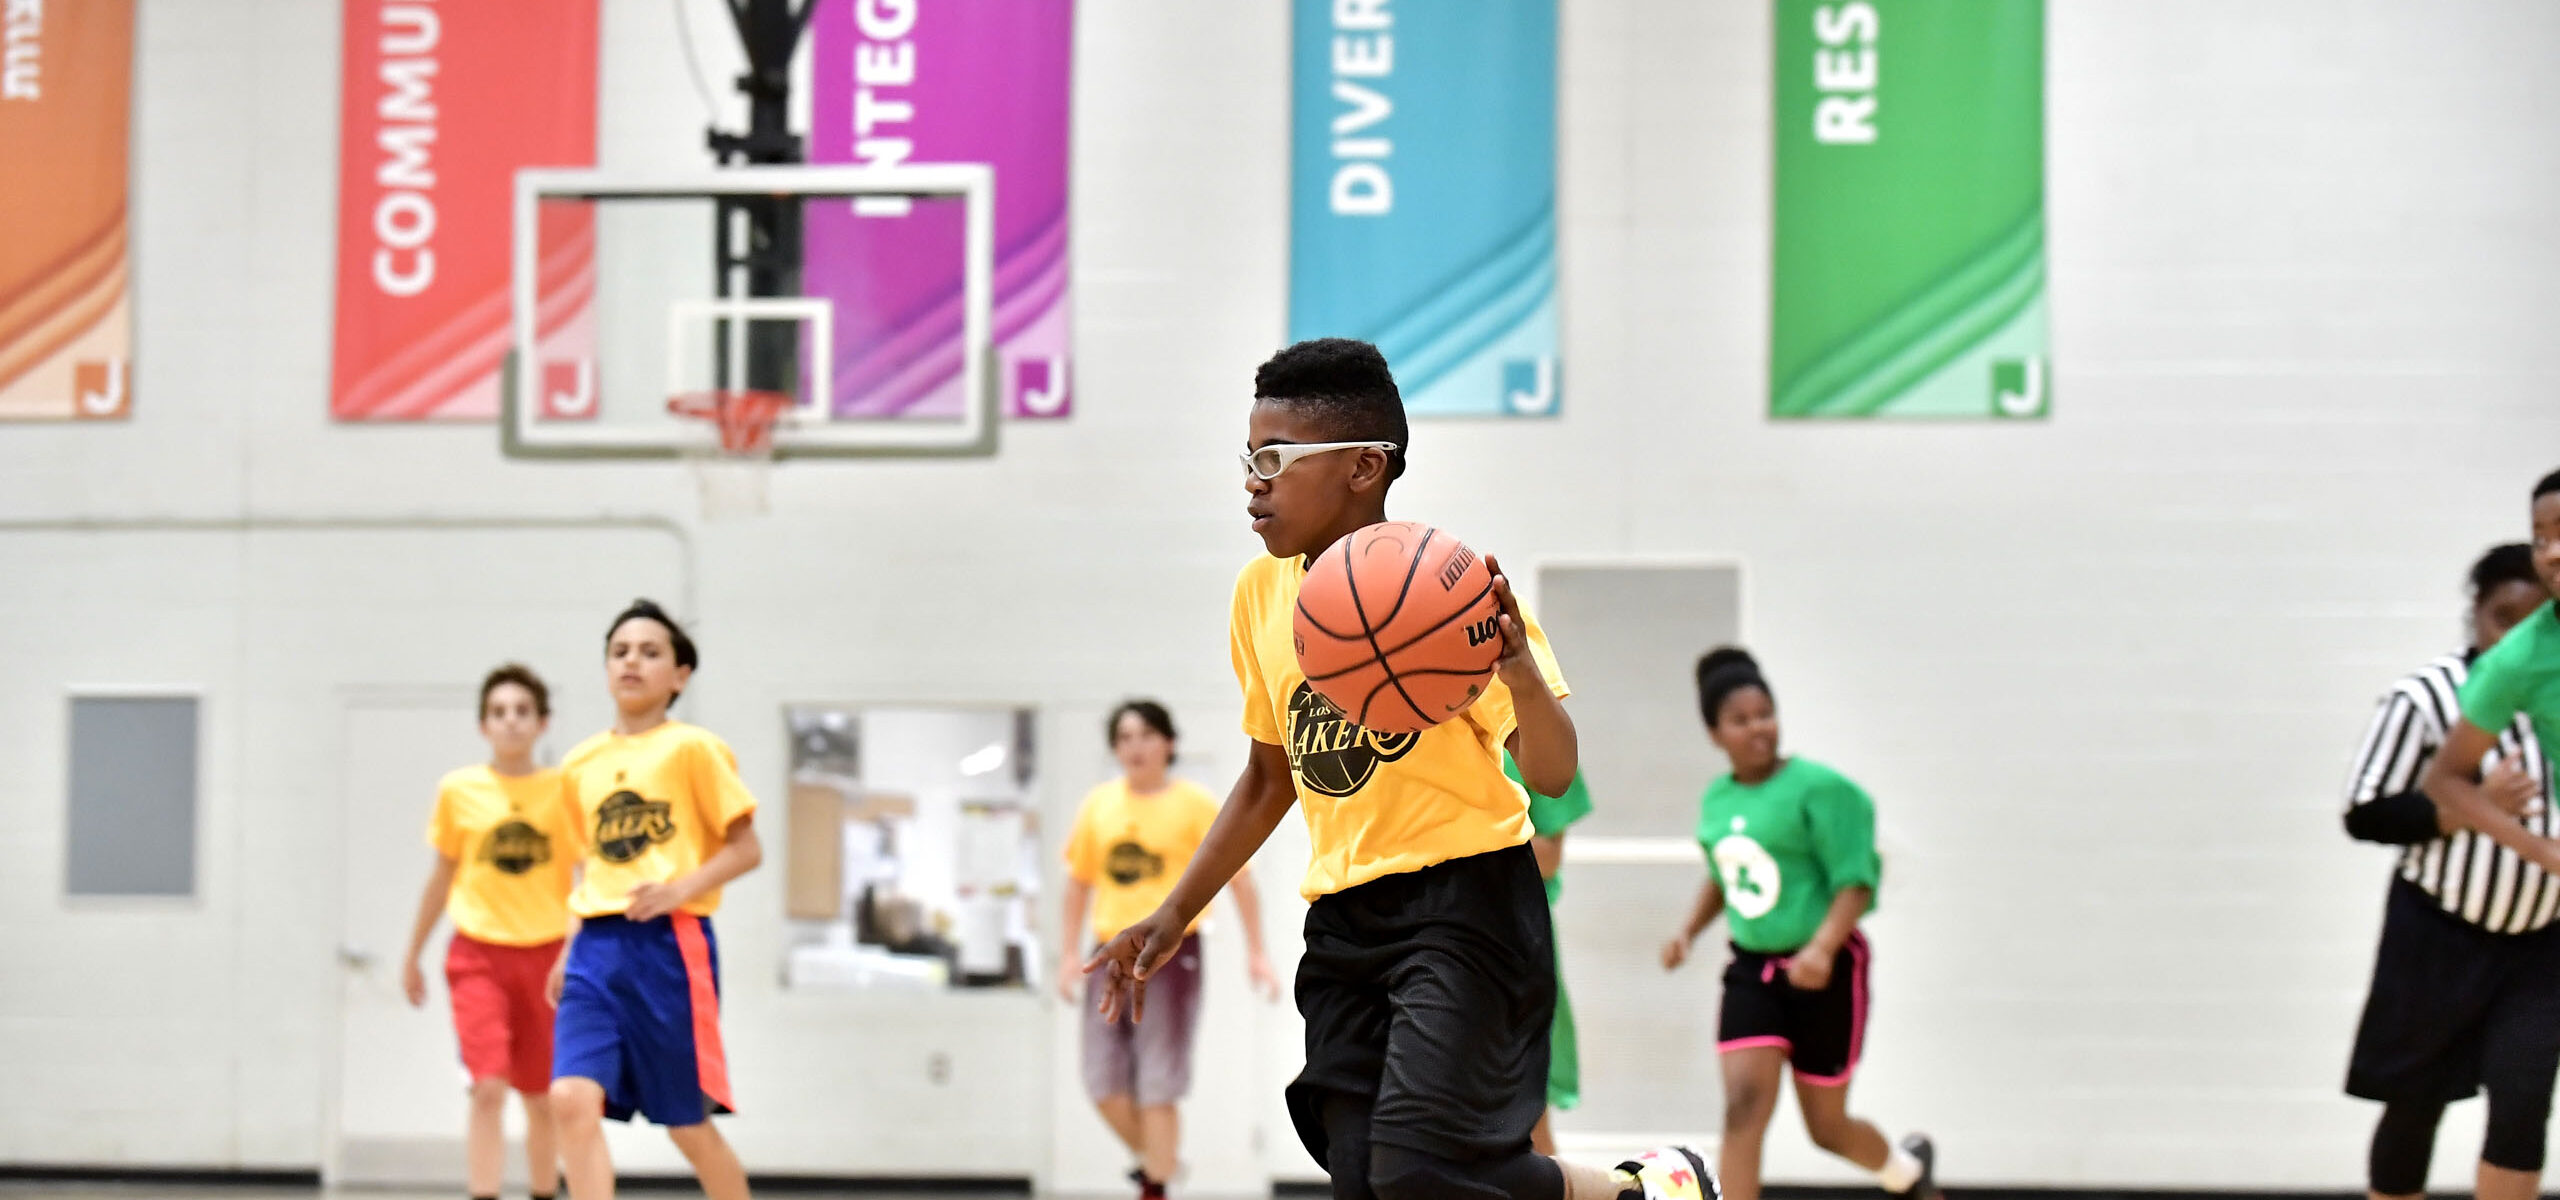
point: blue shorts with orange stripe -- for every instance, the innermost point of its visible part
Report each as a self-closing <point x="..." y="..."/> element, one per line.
<point x="640" y="1015"/>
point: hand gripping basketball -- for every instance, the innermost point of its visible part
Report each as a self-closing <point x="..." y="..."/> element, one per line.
<point x="1516" y="666"/>
<point x="1400" y="626"/>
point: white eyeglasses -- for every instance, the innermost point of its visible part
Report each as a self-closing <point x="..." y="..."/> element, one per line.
<point x="1269" y="461"/>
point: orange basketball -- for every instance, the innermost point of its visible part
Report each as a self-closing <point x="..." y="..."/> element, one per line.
<point x="1395" y="627"/>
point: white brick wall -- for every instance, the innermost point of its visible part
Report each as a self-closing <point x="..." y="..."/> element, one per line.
<point x="2101" y="673"/>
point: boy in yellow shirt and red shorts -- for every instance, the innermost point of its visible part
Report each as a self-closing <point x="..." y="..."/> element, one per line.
<point x="502" y="874"/>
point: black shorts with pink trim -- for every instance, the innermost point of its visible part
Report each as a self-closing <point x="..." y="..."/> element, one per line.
<point x="1822" y="1032"/>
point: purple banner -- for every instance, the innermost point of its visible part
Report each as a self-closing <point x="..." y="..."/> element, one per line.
<point x="942" y="81"/>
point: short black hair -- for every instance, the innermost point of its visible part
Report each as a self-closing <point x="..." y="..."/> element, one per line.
<point x="1346" y="384"/>
<point x="522" y="676"/>
<point x="2502" y="565"/>
<point x="2550" y="483"/>
<point x="1722" y="672"/>
<point x="676" y="638"/>
<point x="1154" y="714"/>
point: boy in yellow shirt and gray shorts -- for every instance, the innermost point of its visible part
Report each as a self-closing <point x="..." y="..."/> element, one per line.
<point x="1132" y="839"/>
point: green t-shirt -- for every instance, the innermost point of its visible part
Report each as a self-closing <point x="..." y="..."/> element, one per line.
<point x="2521" y="674"/>
<point x="1783" y="847"/>
<point x="1549" y="815"/>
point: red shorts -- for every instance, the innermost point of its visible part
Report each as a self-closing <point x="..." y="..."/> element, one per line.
<point x="499" y="1012"/>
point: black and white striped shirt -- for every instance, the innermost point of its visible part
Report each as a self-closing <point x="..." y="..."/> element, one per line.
<point x="2472" y="877"/>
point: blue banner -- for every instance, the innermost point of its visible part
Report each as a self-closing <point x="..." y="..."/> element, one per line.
<point x="1423" y="195"/>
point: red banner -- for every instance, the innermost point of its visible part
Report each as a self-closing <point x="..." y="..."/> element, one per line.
<point x="440" y="102"/>
<point x="66" y="102"/>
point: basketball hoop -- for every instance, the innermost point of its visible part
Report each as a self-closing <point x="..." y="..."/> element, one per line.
<point x="731" y="473"/>
<point x="745" y="416"/>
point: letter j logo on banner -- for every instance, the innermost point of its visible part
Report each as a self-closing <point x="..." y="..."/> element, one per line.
<point x="1909" y="225"/>
<point x="1422" y="195"/>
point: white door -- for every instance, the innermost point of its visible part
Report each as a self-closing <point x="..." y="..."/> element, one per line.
<point x="399" y="1072"/>
<point x="402" y="713"/>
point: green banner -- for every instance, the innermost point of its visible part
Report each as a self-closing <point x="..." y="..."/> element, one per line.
<point x="1908" y="269"/>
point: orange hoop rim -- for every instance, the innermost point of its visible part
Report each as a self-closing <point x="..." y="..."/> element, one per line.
<point x="745" y="416"/>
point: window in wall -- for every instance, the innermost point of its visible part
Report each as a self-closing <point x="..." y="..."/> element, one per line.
<point x="911" y="849"/>
<point x="132" y="816"/>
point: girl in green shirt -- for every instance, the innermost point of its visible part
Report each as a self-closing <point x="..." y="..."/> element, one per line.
<point x="1791" y="846"/>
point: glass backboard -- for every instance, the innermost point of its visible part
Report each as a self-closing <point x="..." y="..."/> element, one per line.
<point x="630" y="290"/>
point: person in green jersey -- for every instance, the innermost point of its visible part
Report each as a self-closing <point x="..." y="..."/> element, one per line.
<point x="1791" y="850"/>
<point x="1549" y="816"/>
<point x="2521" y="674"/>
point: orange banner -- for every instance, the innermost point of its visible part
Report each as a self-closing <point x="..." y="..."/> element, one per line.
<point x="440" y="102"/>
<point x="66" y="99"/>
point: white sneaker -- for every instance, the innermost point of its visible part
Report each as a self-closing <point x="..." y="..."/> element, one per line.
<point x="1669" y="1173"/>
<point x="1920" y="1147"/>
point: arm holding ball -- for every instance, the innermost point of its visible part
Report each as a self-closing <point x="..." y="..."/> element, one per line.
<point x="1543" y="742"/>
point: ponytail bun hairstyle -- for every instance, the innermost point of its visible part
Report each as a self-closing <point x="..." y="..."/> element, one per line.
<point x="1722" y="672"/>
<point x="2502" y="565"/>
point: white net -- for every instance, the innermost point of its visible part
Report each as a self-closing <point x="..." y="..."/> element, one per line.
<point x="732" y="485"/>
<point x="732" y="462"/>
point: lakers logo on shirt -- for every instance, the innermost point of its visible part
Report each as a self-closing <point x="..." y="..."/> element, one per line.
<point x="1332" y="756"/>
<point x="1129" y="863"/>
<point x="515" y="847"/>
<point x="626" y="826"/>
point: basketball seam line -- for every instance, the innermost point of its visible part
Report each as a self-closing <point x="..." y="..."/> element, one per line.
<point x="1351" y="581"/>
<point x="1389" y="619"/>
<point x="1410" y="642"/>
<point x="1319" y="626"/>
<point x="1351" y="586"/>
<point x="1430" y="671"/>
<point x="1413" y="567"/>
<point x="1437" y="671"/>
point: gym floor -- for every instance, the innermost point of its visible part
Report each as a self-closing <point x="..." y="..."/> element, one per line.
<point x="82" y="1190"/>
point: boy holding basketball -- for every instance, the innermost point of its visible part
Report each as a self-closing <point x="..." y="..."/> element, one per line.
<point x="1428" y="983"/>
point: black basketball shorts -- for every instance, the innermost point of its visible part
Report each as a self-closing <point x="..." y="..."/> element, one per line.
<point x="1432" y="993"/>
<point x="2455" y="1006"/>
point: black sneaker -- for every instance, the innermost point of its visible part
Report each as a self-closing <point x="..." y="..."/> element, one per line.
<point x="1919" y="1146"/>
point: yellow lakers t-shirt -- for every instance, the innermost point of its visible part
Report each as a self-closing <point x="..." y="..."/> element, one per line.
<point x="511" y="868"/>
<point x="1131" y="848"/>
<point x="1376" y="804"/>
<point x="649" y="808"/>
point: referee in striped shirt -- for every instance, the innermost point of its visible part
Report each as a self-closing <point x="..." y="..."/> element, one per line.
<point x="2466" y="987"/>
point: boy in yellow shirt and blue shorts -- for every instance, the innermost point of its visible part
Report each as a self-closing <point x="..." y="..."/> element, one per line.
<point x="661" y="821"/>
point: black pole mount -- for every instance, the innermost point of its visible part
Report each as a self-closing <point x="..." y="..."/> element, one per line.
<point x="756" y="239"/>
